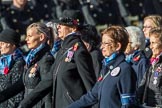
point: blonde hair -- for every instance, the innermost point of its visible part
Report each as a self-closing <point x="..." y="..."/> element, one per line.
<point x="156" y="19"/>
<point x="41" y="28"/>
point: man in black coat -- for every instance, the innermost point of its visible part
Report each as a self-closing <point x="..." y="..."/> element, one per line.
<point x="73" y="67"/>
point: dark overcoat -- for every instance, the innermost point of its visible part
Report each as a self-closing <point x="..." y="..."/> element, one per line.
<point x="72" y="78"/>
<point x="37" y="88"/>
<point x="17" y="68"/>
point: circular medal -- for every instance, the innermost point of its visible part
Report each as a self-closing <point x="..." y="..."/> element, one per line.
<point x="115" y="71"/>
<point x="155" y="81"/>
<point x="30" y="75"/>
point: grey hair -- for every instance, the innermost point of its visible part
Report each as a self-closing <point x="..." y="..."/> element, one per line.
<point x="136" y="36"/>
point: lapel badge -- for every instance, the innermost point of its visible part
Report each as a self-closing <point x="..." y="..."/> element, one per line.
<point x="115" y="71"/>
<point x="69" y="56"/>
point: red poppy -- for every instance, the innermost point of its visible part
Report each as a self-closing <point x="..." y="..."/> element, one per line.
<point x="6" y="70"/>
<point x="75" y="47"/>
<point x="100" y="78"/>
<point x="75" y="22"/>
<point x="136" y="58"/>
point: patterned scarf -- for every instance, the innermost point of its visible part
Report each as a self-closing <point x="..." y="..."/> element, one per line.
<point x="56" y="46"/>
<point x="31" y="56"/>
<point x="6" y="61"/>
<point x="106" y="60"/>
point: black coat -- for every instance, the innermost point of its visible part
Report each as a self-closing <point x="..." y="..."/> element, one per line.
<point x="97" y="58"/>
<point x="36" y="87"/>
<point x="6" y="81"/>
<point x="72" y="79"/>
<point x="150" y="89"/>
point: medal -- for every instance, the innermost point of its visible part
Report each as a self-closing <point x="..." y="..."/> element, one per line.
<point x="155" y="77"/>
<point x="70" y="53"/>
<point x="33" y="71"/>
<point x="155" y="81"/>
<point x="31" y="75"/>
<point x="69" y="56"/>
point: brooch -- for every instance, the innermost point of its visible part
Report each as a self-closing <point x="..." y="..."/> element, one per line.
<point x="115" y="71"/>
<point x="33" y="71"/>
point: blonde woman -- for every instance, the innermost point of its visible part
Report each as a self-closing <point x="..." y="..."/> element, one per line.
<point x="150" y="22"/>
<point x="36" y="79"/>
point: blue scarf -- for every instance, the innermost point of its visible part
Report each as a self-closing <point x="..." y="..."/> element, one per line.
<point x="56" y="46"/>
<point x="30" y="57"/>
<point x="129" y="57"/>
<point x="7" y="60"/>
<point x="106" y="60"/>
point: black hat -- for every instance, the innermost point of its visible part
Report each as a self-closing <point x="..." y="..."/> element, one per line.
<point x="72" y="18"/>
<point x="10" y="36"/>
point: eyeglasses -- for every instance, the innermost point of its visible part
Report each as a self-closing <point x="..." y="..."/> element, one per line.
<point x="155" y="43"/>
<point x="147" y="27"/>
<point x="106" y="43"/>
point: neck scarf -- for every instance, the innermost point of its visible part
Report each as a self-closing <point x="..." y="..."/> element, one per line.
<point x="6" y="61"/>
<point x="56" y="46"/>
<point x="31" y="56"/>
<point x="108" y="59"/>
<point x="130" y="56"/>
<point x="154" y="60"/>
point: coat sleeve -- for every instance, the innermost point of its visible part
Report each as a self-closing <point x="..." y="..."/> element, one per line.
<point x="43" y="87"/>
<point x="88" y="99"/>
<point x="85" y="68"/>
<point x="126" y="87"/>
<point x="141" y="88"/>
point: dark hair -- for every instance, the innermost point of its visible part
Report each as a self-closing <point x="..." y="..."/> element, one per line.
<point x="90" y="35"/>
<point x="118" y="34"/>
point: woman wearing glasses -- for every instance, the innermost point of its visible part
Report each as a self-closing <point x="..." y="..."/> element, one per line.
<point x="150" y="92"/>
<point x="150" y="22"/>
<point x="36" y="79"/>
<point x="115" y="86"/>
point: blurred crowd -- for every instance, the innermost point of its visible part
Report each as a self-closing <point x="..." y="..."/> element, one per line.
<point x="96" y="12"/>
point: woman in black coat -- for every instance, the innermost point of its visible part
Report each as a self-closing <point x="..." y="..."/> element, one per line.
<point x="11" y="65"/>
<point x="36" y="79"/>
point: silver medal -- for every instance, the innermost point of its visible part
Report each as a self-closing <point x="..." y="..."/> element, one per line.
<point x="155" y="81"/>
